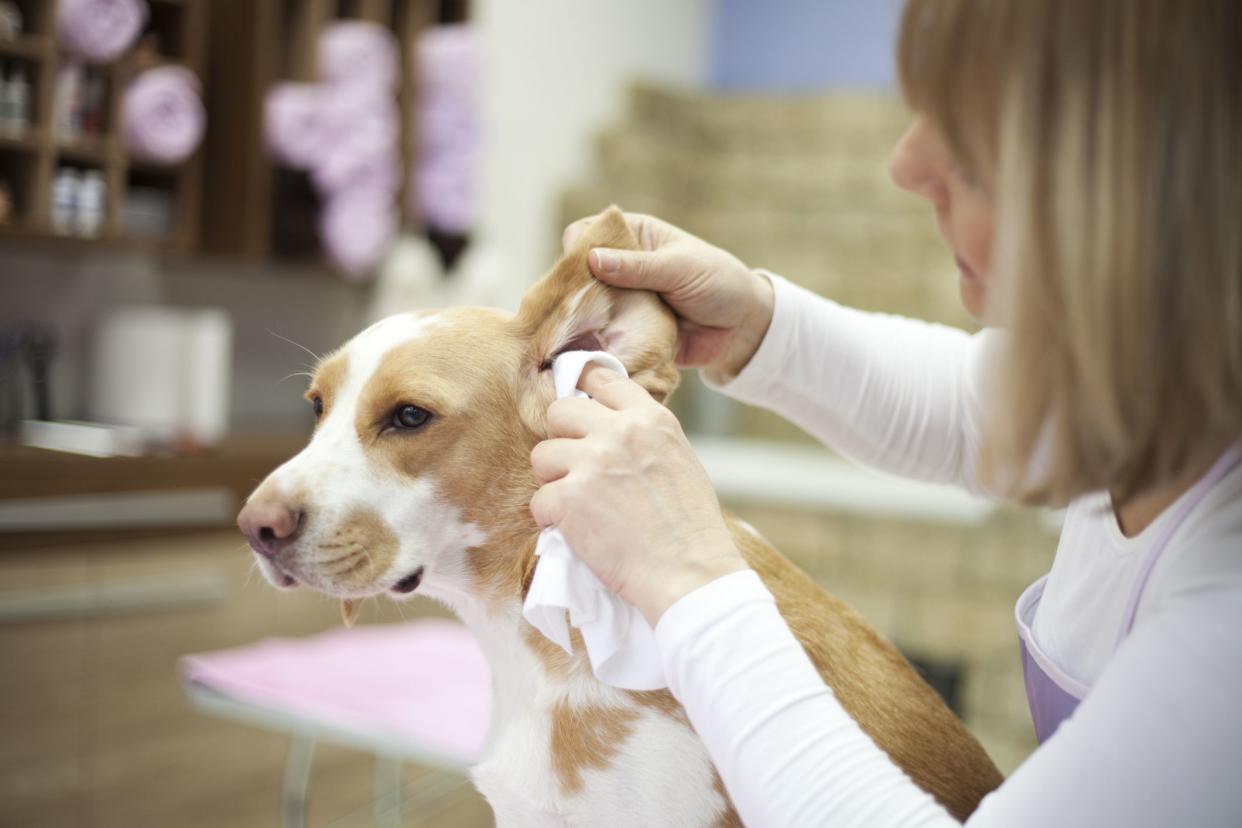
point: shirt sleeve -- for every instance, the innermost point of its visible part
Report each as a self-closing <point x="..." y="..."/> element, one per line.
<point x="895" y="393"/>
<point x="1155" y="743"/>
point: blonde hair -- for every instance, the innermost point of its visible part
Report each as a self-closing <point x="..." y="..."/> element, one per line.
<point x="1110" y="135"/>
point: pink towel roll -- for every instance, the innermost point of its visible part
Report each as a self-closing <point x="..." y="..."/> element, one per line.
<point x="364" y="160"/>
<point x="450" y="60"/>
<point x="357" y="227"/>
<point x="444" y="189"/>
<point x="99" y="30"/>
<point x="162" y="115"/>
<point x="292" y="118"/>
<point x="355" y="52"/>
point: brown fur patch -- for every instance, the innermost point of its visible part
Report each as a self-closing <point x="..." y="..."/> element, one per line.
<point x="637" y="327"/>
<point x="360" y="549"/>
<point x="329" y="376"/>
<point x="728" y="818"/>
<point x="876" y="685"/>
<point x="661" y="701"/>
<point x="586" y="738"/>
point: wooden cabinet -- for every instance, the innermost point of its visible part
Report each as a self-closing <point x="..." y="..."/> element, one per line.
<point x="31" y="158"/>
<point x="257" y="209"/>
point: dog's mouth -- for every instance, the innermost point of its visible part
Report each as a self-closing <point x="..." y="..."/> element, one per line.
<point x="282" y="578"/>
<point x="409" y="583"/>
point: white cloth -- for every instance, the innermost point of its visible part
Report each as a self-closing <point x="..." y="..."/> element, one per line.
<point x="1158" y="740"/>
<point x="619" y="641"/>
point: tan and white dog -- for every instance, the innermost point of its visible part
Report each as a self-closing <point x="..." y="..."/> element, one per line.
<point x="418" y="478"/>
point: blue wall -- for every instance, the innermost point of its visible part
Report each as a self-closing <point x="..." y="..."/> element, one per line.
<point x="803" y="45"/>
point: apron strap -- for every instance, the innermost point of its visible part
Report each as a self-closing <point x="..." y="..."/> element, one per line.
<point x="1223" y="465"/>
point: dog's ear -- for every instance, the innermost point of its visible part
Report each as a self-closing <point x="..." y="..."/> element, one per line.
<point x="570" y="310"/>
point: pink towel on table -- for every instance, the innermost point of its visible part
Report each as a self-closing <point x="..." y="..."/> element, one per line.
<point x="425" y="682"/>
<point x="162" y="115"/>
<point x="99" y="30"/>
<point x="357" y="52"/>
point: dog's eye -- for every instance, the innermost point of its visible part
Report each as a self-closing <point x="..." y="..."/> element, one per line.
<point x="317" y="405"/>
<point x="410" y="416"/>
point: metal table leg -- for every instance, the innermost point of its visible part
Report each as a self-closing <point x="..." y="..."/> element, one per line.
<point x="387" y="792"/>
<point x="297" y="780"/>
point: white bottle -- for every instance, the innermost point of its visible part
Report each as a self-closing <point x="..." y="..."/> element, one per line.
<point x="64" y="199"/>
<point x="88" y="213"/>
<point x="19" y="100"/>
<point x="68" y="105"/>
<point x="8" y="112"/>
<point x="10" y="20"/>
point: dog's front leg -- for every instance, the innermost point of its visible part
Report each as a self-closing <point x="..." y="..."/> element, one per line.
<point x="513" y="813"/>
<point x="515" y="805"/>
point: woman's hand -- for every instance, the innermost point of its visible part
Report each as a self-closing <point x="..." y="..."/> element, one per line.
<point x="724" y="308"/>
<point x="623" y="485"/>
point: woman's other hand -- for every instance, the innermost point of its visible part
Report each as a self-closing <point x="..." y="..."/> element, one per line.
<point x="723" y="307"/>
<point x="620" y="480"/>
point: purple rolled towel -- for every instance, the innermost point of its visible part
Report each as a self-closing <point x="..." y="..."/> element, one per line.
<point x="450" y="60"/>
<point x="444" y="187"/>
<point x="350" y="111"/>
<point x="446" y="193"/>
<point x="355" y="52"/>
<point x="162" y="115"/>
<point x="360" y="160"/>
<point x="99" y="30"/>
<point x="293" y="122"/>
<point x="357" y="227"/>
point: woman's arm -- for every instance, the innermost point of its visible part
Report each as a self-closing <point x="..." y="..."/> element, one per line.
<point x="1156" y="743"/>
<point x="898" y="394"/>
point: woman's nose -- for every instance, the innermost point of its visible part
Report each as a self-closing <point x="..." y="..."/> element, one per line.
<point x="916" y="167"/>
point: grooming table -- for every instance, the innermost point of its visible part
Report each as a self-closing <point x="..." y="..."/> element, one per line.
<point x="413" y="692"/>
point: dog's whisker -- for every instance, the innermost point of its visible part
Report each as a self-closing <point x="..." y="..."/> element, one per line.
<point x="288" y="377"/>
<point x="313" y="355"/>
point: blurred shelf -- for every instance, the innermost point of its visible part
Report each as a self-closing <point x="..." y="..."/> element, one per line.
<point x="26" y="141"/>
<point x="31" y="160"/>
<point x="30" y="472"/>
<point x="27" y="47"/>
<point x="89" y="150"/>
<point x="45" y="236"/>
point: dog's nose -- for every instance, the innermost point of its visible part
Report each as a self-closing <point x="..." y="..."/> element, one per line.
<point x="268" y="525"/>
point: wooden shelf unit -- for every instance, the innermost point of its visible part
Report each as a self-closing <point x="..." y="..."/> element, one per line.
<point x="262" y="211"/>
<point x="30" y="161"/>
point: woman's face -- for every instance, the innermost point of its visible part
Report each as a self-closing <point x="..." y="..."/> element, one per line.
<point x="922" y="164"/>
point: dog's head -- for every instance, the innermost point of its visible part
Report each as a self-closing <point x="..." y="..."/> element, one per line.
<point x="418" y="472"/>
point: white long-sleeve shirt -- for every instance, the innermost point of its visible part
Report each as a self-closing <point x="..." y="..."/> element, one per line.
<point x="1157" y="741"/>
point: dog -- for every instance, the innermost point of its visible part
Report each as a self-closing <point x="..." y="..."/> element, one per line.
<point x="418" y="479"/>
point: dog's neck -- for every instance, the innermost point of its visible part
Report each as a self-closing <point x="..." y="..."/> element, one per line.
<point x="486" y="584"/>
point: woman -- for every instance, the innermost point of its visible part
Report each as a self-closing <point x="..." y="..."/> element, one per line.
<point x="1083" y="161"/>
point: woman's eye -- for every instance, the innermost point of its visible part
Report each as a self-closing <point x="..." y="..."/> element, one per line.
<point x="410" y="416"/>
<point x="317" y="405"/>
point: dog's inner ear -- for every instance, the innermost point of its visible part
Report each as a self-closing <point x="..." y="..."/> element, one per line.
<point x="570" y="310"/>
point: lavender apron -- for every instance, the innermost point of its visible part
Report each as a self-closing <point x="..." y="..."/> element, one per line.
<point x="1052" y="694"/>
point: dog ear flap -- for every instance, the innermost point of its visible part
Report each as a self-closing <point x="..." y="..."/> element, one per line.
<point x="569" y="310"/>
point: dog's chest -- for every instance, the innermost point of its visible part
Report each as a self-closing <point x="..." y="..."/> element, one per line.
<point x="581" y="754"/>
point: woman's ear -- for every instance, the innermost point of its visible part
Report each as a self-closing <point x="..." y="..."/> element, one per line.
<point x="570" y="310"/>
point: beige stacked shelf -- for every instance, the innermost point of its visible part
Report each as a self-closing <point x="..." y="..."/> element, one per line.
<point x="31" y="159"/>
